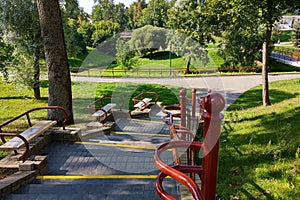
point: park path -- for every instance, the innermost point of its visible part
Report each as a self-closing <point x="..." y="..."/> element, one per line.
<point x="229" y="86"/>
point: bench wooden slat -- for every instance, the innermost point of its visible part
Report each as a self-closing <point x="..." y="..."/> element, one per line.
<point x="142" y="103"/>
<point x="29" y="134"/>
<point x="107" y="108"/>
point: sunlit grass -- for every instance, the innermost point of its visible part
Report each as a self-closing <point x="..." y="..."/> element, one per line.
<point x="259" y="154"/>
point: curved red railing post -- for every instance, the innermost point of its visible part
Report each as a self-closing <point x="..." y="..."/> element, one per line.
<point x="23" y="156"/>
<point x="176" y="172"/>
<point x="194" y="91"/>
<point x="214" y="104"/>
<point x="183" y="107"/>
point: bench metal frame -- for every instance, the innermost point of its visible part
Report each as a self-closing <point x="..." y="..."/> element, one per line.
<point x="27" y="114"/>
<point x="141" y="96"/>
<point x="93" y="106"/>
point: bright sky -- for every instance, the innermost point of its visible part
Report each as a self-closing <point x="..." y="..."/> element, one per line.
<point x="88" y="4"/>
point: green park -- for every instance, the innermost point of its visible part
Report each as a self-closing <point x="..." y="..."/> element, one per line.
<point x="55" y="55"/>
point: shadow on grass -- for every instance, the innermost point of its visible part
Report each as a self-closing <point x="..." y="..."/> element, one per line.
<point x="242" y="154"/>
<point x="161" y="55"/>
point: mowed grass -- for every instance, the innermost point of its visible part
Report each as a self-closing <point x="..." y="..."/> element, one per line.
<point x="260" y="146"/>
<point x="259" y="149"/>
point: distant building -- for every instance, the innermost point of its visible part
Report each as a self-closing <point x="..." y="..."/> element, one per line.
<point x="288" y="22"/>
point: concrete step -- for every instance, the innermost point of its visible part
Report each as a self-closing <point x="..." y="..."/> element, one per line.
<point x="85" y="196"/>
<point x="91" y="189"/>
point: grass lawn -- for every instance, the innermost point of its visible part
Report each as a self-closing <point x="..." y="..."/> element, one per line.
<point x="96" y="63"/>
<point x="260" y="146"/>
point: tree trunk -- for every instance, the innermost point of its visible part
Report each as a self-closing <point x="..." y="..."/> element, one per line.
<point x="36" y="75"/>
<point x="60" y="93"/>
<point x="265" y="59"/>
<point x="188" y="64"/>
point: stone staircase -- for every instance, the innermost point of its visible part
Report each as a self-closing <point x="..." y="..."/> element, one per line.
<point x="93" y="189"/>
<point x="103" y="166"/>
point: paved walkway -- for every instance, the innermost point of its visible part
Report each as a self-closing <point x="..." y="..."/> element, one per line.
<point x="119" y="165"/>
<point x="230" y="86"/>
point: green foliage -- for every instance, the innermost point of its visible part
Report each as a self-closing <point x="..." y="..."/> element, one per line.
<point x="106" y="10"/>
<point x="134" y="13"/>
<point x="125" y="57"/>
<point x="155" y="14"/>
<point x="285" y="36"/>
<point x="104" y="30"/>
<point x="6" y="57"/>
<point x="21" y="30"/>
<point x="86" y="29"/>
<point x="74" y="41"/>
<point x="147" y="39"/>
<point x="184" y="46"/>
<point x="103" y="11"/>
<point x="191" y="18"/>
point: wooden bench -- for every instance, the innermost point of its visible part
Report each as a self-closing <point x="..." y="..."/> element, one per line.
<point x="143" y="103"/>
<point x="142" y="100"/>
<point x="18" y="141"/>
<point x="104" y="111"/>
<point x="101" y="108"/>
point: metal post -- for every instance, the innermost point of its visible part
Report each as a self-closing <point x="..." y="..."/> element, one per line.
<point x="214" y="104"/>
<point x="183" y="107"/>
<point x="193" y="103"/>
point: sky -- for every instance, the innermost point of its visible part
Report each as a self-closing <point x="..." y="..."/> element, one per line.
<point x="88" y="4"/>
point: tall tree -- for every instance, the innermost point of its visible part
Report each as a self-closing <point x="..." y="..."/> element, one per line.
<point x="147" y="39"/>
<point x="155" y="14"/>
<point x="134" y="13"/>
<point x="16" y="16"/>
<point x="56" y="58"/>
<point x="259" y="15"/>
<point x="120" y="16"/>
<point x="190" y="17"/>
<point x="192" y="30"/>
<point x="103" y="10"/>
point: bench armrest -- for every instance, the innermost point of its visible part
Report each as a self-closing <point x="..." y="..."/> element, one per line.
<point x="27" y="114"/>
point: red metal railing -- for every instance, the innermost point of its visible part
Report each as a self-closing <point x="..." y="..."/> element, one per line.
<point x="99" y="103"/>
<point x="27" y="114"/>
<point x="94" y="107"/>
<point x="142" y="95"/>
<point x="213" y="105"/>
<point x="177" y="171"/>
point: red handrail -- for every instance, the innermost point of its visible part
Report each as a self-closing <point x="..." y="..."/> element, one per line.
<point x="23" y="156"/>
<point x="92" y="106"/>
<point x="213" y="104"/>
<point x="177" y="172"/>
<point x="34" y="109"/>
<point x="141" y="95"/>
